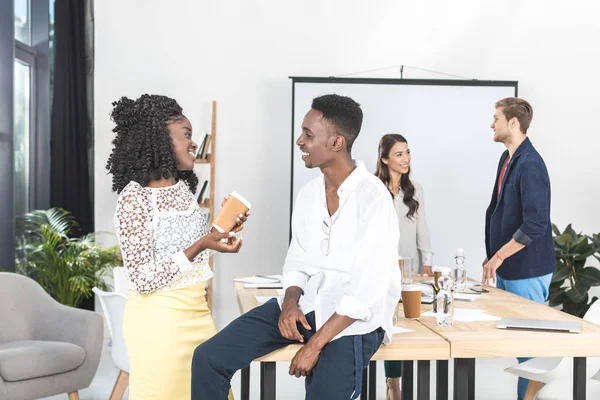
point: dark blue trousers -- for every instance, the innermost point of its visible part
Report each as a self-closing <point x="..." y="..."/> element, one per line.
<point x="255" y="334"/>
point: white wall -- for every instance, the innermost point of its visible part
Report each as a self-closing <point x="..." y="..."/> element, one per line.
<point x="241" y="53"/>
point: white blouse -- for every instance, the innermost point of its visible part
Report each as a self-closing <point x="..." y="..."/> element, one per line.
<point x="154" y="226"/>
<point x="414" y="233"/>
<point x="356" y="274"/>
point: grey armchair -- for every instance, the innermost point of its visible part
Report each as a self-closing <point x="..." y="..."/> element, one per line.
<point x="46" y="348"/>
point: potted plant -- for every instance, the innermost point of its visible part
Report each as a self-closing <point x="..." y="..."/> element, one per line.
<point x="573" y="277"/>
<point x="67" y="268"/>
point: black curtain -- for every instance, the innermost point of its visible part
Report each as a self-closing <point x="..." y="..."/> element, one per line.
<point x="70" y="128"/>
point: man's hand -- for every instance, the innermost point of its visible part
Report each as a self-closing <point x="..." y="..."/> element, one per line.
<point x="489" y="270"/>
<point x="288" y="320"/>
<point x="484" y="262"/>
<point x="304" y="361"/>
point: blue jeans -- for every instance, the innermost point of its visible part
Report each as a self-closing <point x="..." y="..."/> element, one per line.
<point x="535" y="289"/>
<point x="255" y="334"/>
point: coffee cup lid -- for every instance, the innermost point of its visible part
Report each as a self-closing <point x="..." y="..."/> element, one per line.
<point x="411" y="287"/>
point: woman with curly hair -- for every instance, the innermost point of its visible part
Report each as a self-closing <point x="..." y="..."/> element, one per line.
<point x="165" y="245"/>
<point x="393" y="168"/>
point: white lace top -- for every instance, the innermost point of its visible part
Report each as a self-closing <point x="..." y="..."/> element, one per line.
<point x="154" y="226"/>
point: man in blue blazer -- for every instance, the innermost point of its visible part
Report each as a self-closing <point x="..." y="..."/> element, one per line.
<point x="518" y="231"/>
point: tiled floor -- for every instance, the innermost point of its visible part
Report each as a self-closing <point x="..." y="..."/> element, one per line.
<point x="491" y="382"/>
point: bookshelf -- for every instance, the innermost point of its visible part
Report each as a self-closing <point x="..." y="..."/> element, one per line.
<point x="208" y="204"/>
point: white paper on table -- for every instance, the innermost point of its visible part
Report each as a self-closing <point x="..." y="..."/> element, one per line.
<point x="259" y="279"/>
<point x="281" y="292"/>
<point x="270" y="285"/>
<point x="398" y="329"/>
<point x="264" y="299"/>
<point x="466" y="296"/>
<point x="466" y="315"/>
<point x="428" y="314"/>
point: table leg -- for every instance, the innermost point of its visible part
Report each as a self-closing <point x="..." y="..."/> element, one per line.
<point x="245" y="392"/>
<point x="372" y="381"/>
<point x="471" y="362"/>
<point x="423" y="371"/>
<point x="407" y="380"/>
<point x="461" y="378"/>
<point x="441" y="388"/>
<point x="267" y="381"/>
<point x="579" y="372"/>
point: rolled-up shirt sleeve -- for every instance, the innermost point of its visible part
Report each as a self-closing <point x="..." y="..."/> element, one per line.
<point x="370" y="272"/>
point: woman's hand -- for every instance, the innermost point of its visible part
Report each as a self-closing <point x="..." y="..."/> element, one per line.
<point x="222" y="242"/>
<point x="239" y="225"/>
<point x="426" y="271"/>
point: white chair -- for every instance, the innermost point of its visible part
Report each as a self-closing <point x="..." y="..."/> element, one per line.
<point x="120" y="281"/>
<point x="561" y="389"/>
<point x="549" y="369"/>
<point x="113" y="305"/>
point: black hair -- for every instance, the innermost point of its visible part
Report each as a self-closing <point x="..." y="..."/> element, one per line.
<point x="343" y="113"/>
<point x="143" y="150"/>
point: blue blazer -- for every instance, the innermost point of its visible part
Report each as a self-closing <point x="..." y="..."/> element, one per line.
<point x="522" y="212"/>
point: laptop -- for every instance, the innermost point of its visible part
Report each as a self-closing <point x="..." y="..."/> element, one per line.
<point x="539" y="325"/>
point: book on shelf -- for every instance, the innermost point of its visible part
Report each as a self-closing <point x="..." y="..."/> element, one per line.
<point x="199" y="138"/>
<point x="203" y="193"/>
<point x="202" y="155"/>
<point x="203" y="141"/>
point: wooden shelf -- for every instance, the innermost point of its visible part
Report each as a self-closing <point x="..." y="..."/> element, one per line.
<point x="211" y="160"/>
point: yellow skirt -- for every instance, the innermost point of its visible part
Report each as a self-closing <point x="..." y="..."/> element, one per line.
<point x="161" y="331"/>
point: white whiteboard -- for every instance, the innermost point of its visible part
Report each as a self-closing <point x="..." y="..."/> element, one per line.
<point x="447" y="125"/>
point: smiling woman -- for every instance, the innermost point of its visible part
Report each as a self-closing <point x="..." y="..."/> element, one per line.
<point x="165" y="244"/>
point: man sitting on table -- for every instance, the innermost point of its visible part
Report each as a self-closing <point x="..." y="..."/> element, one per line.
<point x="518" y="232"/>
<point x="340" y="276"/>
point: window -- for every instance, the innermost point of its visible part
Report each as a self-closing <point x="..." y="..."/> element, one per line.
<point x="23" y="21"/>
<point x="33" y="23"/>
<point x="22" y="134"/>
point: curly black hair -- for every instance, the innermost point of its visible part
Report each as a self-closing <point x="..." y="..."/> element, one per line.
<point x="143" y="150"/>
<point x="344" y="113"/>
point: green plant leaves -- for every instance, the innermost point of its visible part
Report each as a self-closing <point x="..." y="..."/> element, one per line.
<point x="590" y="276"/>
<point x="557" y="297"/>
<point x="561" y="274"/>
<point x="67" y="268"/>
<point x="578" y="292"/>
<point x="572" y="252"/>
<point x="555" y="230"/>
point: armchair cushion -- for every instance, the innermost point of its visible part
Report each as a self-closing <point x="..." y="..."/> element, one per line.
<point x="30" y="359"/>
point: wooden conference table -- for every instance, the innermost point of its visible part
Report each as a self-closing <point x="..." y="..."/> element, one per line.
<point x="464" y="342"/>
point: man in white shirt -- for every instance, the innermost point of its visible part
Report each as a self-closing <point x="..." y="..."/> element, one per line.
<point x="341" y="276"/>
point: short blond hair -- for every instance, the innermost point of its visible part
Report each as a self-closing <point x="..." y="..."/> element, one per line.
<point x="514" y="107"/>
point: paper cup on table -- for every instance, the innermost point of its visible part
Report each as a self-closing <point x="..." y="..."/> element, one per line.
<point x="235" y="205"/>
<point x="411" y="300"/>
<point x="407" y="267"/>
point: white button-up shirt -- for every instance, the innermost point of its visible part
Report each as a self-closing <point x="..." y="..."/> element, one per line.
<point x="359" y="277"/>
